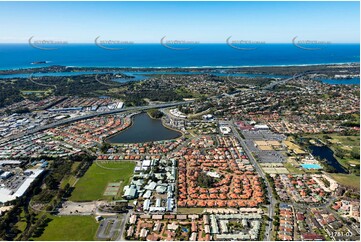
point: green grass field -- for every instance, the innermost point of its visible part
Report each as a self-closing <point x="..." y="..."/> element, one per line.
<point x="21" y="225"/>
<point x="347" y="143"/>
<point x="92" y="185"/>
<point x="347" y="179"/>
<point x="292" y="169"/>
<point x="70" y="228"/>
<point x="70" y="178"/>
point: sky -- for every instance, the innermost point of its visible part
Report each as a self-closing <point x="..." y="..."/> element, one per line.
<point x="204" y="22"/>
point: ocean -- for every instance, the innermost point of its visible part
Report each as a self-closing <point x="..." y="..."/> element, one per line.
<point x="13" y="56"/>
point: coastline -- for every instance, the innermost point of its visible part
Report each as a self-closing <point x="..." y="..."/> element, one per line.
<point x="177" y="67"/>
<point x="215" y="67"/>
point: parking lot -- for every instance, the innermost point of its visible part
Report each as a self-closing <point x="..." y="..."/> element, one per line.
<point x="269" y="151"/>
<point x="109" y="228"/>
<point x="262" y="135"/>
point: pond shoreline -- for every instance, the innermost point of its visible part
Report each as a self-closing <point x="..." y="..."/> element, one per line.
<point x="180" y="134"/>
<point x="130" y="125"/>
<point x="323" y="152"/>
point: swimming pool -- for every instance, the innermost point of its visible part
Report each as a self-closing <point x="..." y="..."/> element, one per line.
<point x="311" y="166"/>
<point x="185" y="230"/>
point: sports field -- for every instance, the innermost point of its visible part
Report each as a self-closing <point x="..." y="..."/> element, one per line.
<point x="274" y="168"/>
<point x="93" y="184"/>
<point x="70" y="228"/>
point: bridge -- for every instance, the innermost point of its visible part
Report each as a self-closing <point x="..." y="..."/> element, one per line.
<point x="275" y="83"/>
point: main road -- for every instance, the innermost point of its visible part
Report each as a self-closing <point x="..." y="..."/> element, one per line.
<point x="271" y="199"/>
<point x="273" y="84"/>
<point x="96" y="114"/>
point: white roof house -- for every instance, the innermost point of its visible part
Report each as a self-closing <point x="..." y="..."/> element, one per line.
<point x="146" y="163"/>
<point x="146" y="205"/>
<point x="130" y="192"/>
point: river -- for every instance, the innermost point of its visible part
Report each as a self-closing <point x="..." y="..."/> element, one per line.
<point x="140" y="76"/>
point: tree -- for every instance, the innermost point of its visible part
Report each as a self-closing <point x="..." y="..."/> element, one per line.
<point x="204" y="180"/>
<point x="355" y="153"/>
<point x="105" y="147"/>
<point x="51" y="183"/>
<point x="155" y="113"/>
<point x="340" y="153"/>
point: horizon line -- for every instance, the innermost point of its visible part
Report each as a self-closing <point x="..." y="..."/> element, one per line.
<point x="198" y="43"/>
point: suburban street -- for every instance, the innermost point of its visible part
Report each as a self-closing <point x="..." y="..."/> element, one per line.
<point x="180" y="121"/>
<point x="122" y="226"/>
<point x="272" y="200"/>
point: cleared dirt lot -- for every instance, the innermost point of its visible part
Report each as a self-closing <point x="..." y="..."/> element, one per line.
<point x="80" y="208"/>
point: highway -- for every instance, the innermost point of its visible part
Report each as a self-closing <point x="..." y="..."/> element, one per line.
<point x="119" y="110"/>
<point x="272" y="200"/>
<point x="273" y="84"/>
<point x="96" y="114"/>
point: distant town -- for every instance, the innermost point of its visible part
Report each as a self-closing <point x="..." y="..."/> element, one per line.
<point x="261" y="153"/>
